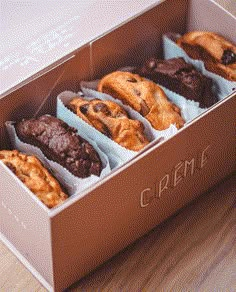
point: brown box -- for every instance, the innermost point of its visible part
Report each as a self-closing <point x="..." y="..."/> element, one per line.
<point x="61" y="245"/>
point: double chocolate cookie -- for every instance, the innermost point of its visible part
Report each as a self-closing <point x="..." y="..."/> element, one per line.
<point x="111" y="120"/>
<point x="180" y="77"/>
<point x="60" y="142"/>
<point x="143" y="96"/>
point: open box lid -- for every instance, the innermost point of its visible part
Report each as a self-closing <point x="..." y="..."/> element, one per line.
<point x="41" y="36"/>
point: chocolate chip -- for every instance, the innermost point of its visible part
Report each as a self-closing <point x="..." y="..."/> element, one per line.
<point x="11" y="167"/>
<point x="121" y="115"/>
<point x="137" y="92"/>
<point x="133" y="80"/>
<point x="228" y="57"/>
<point x="84" y="108"/>
<point x="144" y="108"/>
<point x="101" y="107"/>
<point x="106" y="131"/>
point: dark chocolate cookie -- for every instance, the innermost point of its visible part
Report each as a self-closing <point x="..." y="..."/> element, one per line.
<point x="180" y="77"/>
<point x="60" y="142"/>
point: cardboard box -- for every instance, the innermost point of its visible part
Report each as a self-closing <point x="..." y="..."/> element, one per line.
<point x="60" y="246"/>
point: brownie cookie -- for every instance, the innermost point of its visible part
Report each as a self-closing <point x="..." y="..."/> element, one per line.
<point x="143" y="96"/>
<point x="32" y="173"/>
<point x="111" y="120"/>
<point x="180" y="77"/>
<point x="218" y="54"/>
<point x="60" y="142"/>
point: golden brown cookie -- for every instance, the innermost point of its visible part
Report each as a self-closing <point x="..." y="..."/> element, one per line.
<point x="144" y="96"/>
<point x="218" y="54"/>
<point x="111" y="120"/>
<point x="32" y="173"/>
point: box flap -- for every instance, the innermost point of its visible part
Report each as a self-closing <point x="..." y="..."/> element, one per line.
<point x="35" y="37"/>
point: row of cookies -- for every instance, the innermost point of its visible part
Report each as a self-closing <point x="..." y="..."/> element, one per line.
<point x="136" y="89"/>
<point x="115" y="124"/>
<point x="58" y="147"/>
<point x="60" y="143"/>
<point x="139" y="90"/>
<point x="99" y="108"/>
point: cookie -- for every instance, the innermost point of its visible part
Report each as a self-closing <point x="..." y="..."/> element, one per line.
<point x="60" y="143"/>
<point x="180" y="77"/>
<point x="112" y="120"/>
<point x="35" y="176"/>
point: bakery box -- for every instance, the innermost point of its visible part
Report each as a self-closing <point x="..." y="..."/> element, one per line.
<point x="61" y="245"/>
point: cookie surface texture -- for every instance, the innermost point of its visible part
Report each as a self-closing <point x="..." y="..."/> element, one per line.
<point x="59" y="142"/>
<point x="35" y="176"/>
<point x="112" y="120"/>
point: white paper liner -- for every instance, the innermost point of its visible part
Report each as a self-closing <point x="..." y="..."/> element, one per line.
<point x="90" y="89"/>
<point x="222" y="87"/>
<point x="190" y="109"/>
<point x="117" y="154"/>
<point x="73" y="184"/>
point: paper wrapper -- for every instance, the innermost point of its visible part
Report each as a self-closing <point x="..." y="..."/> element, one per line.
<point x="190" y="109"/>
<point x="117" y="154"/>
<point x="222" y="87"/>
<point x="74" y="185"/>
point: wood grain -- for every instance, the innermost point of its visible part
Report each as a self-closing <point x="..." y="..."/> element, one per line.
<point x="195" y="250"/>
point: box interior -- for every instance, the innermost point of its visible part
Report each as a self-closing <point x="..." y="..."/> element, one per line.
<point x="90" y="62"/>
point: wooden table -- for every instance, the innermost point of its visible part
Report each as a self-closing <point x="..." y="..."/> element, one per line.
<point x="195" y="250"/>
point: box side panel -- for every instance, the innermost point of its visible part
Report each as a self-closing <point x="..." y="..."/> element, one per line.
<point x="209" y="16"/>
<point x="25" y="224"/>
<point x="133" y="43"/>
<point x="145" y="193"/>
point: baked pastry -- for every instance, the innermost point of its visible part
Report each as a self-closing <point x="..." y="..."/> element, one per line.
<point x="180" y="77"/>
<point x="112" y="120"/>
<point x="59" y="142"/>
<point x="143" y="96"/>
<point x="37" y="178"/>
<point x="218" y="54"/>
